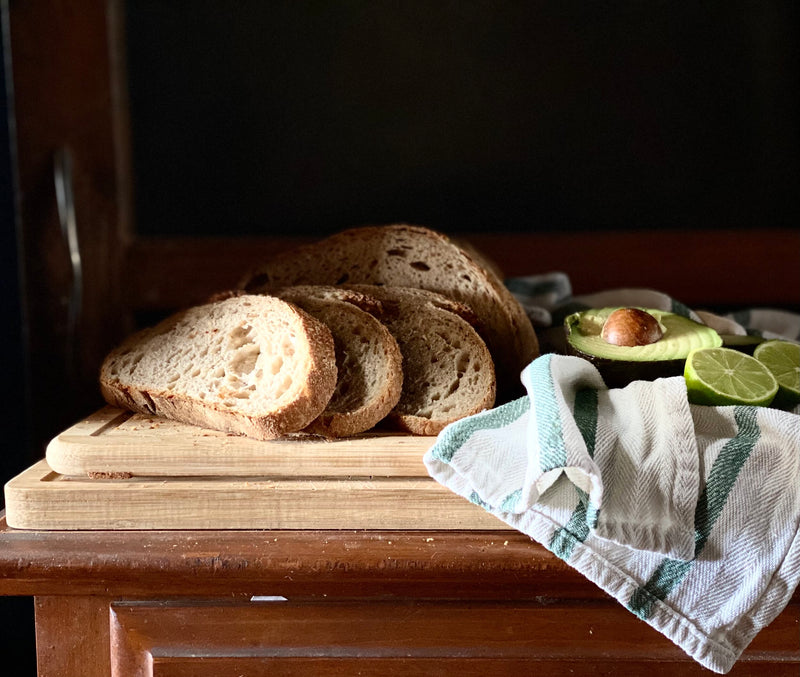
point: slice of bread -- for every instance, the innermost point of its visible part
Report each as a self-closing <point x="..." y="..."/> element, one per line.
<point x="368" y="359"/>
<point x="448" y="372"/>
<point x="413" y="256"/>
<point x="250" y="365"/>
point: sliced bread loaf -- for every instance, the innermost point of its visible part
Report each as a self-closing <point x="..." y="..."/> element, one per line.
<point x="413" y="256"/>
<point x="448" y="372"/>
<point x="251" y="365"/>
<point x="368" y="359"/>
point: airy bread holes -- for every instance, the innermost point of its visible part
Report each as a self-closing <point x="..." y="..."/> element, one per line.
<point x="208" y="365"/>
<point x="246" y="351"/>
<point x="283" y="387"/>
<point x="275" y="365"/>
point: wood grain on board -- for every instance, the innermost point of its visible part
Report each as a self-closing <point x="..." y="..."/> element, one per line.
<point x="118" y="470"/>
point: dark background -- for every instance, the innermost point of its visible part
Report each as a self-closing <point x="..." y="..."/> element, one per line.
<point x="463" y="115"/>
<point x="17" y="645"/>
<point x="284" y="117"/>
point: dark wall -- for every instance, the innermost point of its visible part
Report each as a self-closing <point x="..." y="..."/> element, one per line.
<point x="305" y="117"/>
<point x="17" y="643"/>
<point x="14" y="458"/>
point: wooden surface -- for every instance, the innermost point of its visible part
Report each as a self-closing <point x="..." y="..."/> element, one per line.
<point x="116" y="442"/>
<point x="116" y="470"/>
<point x="72" y="636"/>
<point x="391" y="637"/>
<point x="336" y="603"/>
<point x="69" y="92"/>
<point x="294" y="563"/>
<point x="39" y="498"/>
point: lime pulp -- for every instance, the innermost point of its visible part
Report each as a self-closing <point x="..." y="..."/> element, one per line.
<point x="723" y="376"/>
<point x="782" y="358"/>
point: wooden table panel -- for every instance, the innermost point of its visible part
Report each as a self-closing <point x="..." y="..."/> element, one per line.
<point x="178" y="603"/>
<point x="441" y="564"/>
<point x="351" y="637"/>
<point x="72" y="636"/>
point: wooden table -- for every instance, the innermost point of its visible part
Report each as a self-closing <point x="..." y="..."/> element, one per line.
<point x="249" y="602"/>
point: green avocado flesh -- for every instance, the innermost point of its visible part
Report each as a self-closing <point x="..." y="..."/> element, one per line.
<point x="619" y="365"/>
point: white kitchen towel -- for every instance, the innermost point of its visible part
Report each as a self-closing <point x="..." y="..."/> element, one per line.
<point x="689" y="516"/>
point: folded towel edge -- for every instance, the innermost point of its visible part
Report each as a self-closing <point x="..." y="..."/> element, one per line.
<point x="706" y="650"/>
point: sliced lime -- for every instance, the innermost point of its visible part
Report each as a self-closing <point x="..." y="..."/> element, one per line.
<point x="722" y="376"/>
<point x="782" y="358"/>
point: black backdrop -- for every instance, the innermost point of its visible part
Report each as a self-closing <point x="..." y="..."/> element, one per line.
<point x="17" y="644"/>
<point x="279" y="117"/>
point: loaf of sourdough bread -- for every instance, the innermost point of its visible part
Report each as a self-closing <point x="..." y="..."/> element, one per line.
<point x="368" y="360"/>
<point x="413" y="256"/>
<point x="249" y="364"/>
<point x="448" y="372"/>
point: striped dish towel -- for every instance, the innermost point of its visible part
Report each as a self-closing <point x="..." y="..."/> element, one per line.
<point x="689" y="516"/>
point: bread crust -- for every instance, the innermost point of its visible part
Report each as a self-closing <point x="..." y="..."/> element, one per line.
<point x="369" y="385"/>
<point x="123" y="388"/>
<point x="429" y="333"/>
<point x="414" y="256"/>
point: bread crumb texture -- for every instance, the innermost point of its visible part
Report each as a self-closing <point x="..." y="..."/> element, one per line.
<point x="255" y="357"/>
<point x="396" y="325"/>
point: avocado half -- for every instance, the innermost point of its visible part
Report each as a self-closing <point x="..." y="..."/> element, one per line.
<point x="620" y="365"/>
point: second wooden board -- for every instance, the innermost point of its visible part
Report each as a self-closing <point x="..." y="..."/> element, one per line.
<point x="42" y="499"/>
<point x="115" y="443"/>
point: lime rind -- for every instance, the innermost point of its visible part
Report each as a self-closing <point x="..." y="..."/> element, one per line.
<point x="723" y="376"/>
<point x="782" y="358"/>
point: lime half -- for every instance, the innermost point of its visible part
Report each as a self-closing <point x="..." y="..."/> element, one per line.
<point x="782" y="358"/>
<point x="721" y="376"/>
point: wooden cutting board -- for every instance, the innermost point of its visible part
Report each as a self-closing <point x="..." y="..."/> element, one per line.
<point x="116" y="470"/>
<point x="117" y="442"/>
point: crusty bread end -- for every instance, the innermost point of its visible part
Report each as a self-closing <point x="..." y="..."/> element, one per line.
<point x="250" y="365"/>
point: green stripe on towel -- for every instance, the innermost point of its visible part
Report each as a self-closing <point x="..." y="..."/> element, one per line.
<point x="669" y="574"/>
<point x="563" y="541"/>
<point x="510" y="501"/>
<point x="452" y="438"/>
<point x="584" y="517"/>
<point x="552" y="453"/>
<point x="506" y="505"/>
<point x="586" y="417"/>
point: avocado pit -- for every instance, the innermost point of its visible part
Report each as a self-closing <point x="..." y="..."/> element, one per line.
<point x="635" y="344"/>
<point x="631" y="327"/>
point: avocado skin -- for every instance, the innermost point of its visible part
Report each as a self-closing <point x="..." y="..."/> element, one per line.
<point x="744" y="344"/>
<point x="618" y="372"/>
